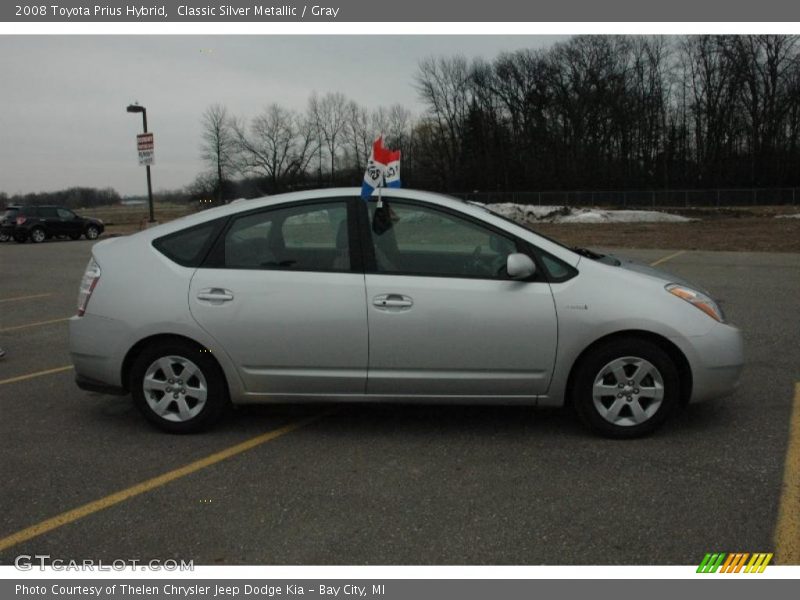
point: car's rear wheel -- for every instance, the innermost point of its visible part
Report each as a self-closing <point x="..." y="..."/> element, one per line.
<point x="38" y="235"/>
<point x="626" y="388"/>
<point x="92" y="232"/>
<point x="179" y="387"/>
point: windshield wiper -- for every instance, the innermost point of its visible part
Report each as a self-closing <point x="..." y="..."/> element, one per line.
<point x="587" y="253"/>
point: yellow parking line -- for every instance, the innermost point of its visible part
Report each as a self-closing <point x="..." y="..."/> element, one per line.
<point x="31" y="297"/>
<point x="787" y="530"/>
<point x="37" y="374"/>
<point x="75" y="514"/>
<point x="37" y="324"/>
<point x="666" y="258"/>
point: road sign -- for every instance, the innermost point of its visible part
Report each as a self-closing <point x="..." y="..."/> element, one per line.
<point x="144" y="145"/>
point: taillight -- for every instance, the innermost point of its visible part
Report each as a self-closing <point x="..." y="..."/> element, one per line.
<point x="90" y="278"/>
<point x="21" y="220"/>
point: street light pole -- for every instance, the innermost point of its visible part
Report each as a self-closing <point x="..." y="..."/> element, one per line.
<point x="134" y="108"/>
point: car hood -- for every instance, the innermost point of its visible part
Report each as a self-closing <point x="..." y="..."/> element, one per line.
<point x="638" y="267"/>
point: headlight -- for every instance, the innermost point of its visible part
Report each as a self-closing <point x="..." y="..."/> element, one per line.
<point x="698" y="299"/>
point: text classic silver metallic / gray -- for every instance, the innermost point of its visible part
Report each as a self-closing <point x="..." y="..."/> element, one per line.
<point x="320" y="296"/>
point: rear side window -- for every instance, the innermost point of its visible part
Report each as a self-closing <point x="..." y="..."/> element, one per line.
<point x="189" y="246"/>
<point x="48" y="212"/>
<point x="305" y="237"/>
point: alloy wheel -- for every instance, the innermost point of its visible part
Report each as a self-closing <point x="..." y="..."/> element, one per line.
<point x="628" y="391"/>
<point x="175" y="388"/>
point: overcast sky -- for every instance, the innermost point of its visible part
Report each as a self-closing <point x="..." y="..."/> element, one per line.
<point x="63" y="98"/>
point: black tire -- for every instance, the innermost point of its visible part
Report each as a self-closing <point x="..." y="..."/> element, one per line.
<point x="74" y="236"/>
<point x="4" y="237"/>
<point x="92" y="232"/>
<point x="38" y="235"/>
<point x="216" y="402"/>
<point x="628" y="424"/>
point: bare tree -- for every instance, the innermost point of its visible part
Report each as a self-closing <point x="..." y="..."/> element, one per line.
<point x="358" y="134"/>
<point x="276" y="146"/>
<point x="219" y="145"/>
<point x="330" y="116"/>
<point x="444" y="85"/>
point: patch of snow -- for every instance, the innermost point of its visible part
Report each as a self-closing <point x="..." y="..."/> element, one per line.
<point x="795" y="216"/>
<point x="525" y="213"/>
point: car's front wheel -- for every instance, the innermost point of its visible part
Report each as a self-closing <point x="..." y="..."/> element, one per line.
<point x="179" y="387"/>
<point x="92" y="232"/>
<point x="4" y="237"/>
<point x="626" y="388"/>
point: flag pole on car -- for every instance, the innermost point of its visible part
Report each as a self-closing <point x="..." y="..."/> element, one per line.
<point x="383" y="170"/>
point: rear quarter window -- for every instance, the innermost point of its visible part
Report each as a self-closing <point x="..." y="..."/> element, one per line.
<point x="189" y="246"/>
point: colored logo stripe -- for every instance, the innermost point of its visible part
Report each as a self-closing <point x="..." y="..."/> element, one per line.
<point x="711" y="563"/>
<point x="734" y="562"/>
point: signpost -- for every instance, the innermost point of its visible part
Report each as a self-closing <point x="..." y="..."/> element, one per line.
<point x="144" y="145"/>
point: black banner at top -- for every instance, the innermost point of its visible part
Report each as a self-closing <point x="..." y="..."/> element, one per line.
<point x="254" y="11"/>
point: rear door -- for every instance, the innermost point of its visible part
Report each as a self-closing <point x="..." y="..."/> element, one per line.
<point x="280" y="293"/>
<point x="48" y="217"/>
<point x="70" y="223"/>
<point x="444" y="318"/>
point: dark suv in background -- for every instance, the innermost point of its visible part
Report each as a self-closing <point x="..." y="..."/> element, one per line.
<point x="38" y="223"/>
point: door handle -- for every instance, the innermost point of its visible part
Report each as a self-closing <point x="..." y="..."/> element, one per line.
<point x="215" y="295"/>
<point x="392" y="301"/>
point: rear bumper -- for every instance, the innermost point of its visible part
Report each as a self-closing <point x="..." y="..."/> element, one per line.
<point x="716" y="360"/>
<point x="95" y="345"/>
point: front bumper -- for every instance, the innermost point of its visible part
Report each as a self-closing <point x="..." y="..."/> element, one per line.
<point x="716" y="360"/>
<point x="91" y="385"/>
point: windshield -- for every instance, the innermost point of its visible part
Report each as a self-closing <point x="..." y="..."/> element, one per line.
<point x="10" y="213"/>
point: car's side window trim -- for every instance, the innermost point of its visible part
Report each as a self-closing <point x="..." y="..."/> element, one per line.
<point x="215" y="258"/>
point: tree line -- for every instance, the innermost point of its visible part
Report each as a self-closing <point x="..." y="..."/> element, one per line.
<point x="74" y="197"/>
<point x="593" y="112"/>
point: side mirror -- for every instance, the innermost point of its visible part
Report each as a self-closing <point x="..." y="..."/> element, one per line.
<point x="520" y="266"/>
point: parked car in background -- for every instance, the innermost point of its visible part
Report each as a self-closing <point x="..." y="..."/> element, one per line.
<point x="39" y="223"/>
<point x="320" y="296"/>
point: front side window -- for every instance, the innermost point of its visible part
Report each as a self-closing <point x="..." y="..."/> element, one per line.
<point x="418" y="240"/>
<point x="65" y="214"/>
<point x="307" y="237"/>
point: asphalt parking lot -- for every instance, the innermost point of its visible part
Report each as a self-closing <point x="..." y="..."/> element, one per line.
<point x="372" y="484"/>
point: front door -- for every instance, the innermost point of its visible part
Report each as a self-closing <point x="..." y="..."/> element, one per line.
<point x="444" y="318"/>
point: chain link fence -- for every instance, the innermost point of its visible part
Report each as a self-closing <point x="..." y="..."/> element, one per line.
<point x="643" y="198"/>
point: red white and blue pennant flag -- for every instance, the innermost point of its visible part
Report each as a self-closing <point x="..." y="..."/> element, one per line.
<point x="383" y="169"/>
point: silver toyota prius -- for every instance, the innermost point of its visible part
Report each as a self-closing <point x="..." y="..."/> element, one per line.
<point x="418" y="297"/>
